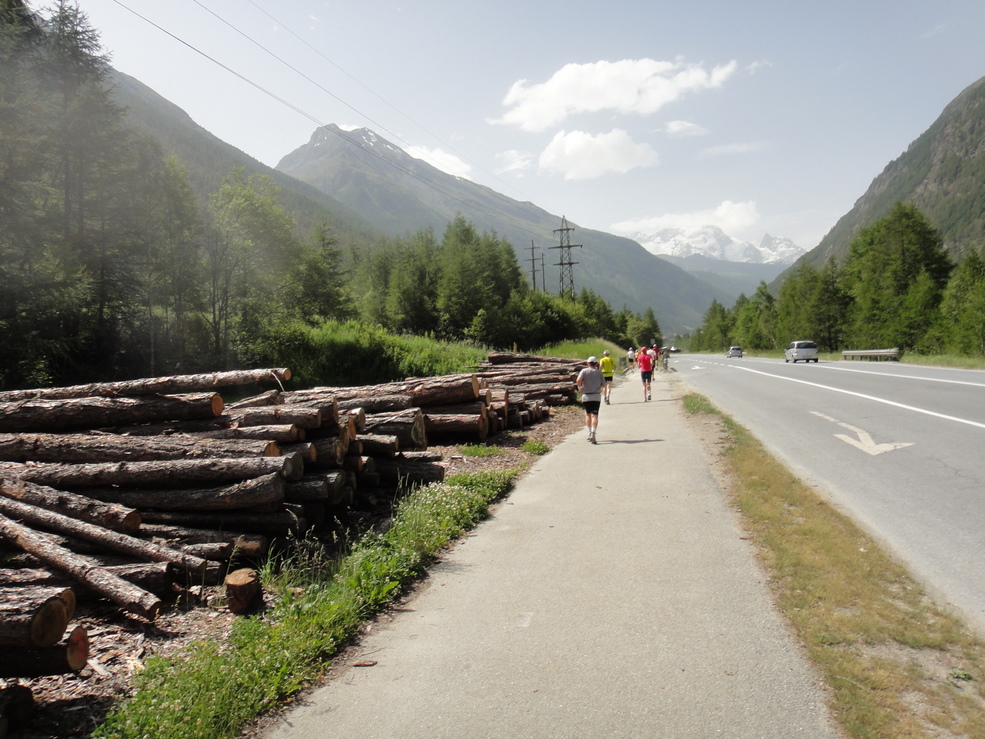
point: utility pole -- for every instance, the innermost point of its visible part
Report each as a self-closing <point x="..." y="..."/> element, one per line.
<point x="543" y="272"/>
<point x="567" y="273"/>
<point x="533" y="266"/>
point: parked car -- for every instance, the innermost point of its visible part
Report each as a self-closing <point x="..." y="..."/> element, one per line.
<point x="734" y="352"/>
<point x="801" y="351"/>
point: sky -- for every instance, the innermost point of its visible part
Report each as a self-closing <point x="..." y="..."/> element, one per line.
<point x="764" y="116"/>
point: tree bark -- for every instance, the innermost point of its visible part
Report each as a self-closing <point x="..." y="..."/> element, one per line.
<point x="301" y="416"/>
<point x="407" y="426"/>
<point x="113" y="448"/>
<point x="154" y="473"/>
<point x="247" y="545"/>
<point x="118" y="590"/>
<point x="399" y="471"/>
<point x="245" y="494"/>
<point x="154" y="577"/>
<point x="278" y="523"/>
<point x="107" y="539"/>
<point x="444" y="425"/>
<point x="379" y="445"/>
<point x="96" y="412"/>
<point x="71" y="656"/>
<point x="109" y="515"/>
<point x="32" y="616"/>
<point x="154" y="385"/>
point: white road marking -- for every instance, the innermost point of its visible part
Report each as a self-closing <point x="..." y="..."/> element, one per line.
<point x="864" y="440"/>
<point x="873" y="398"/>
<point x="901" y="377"/>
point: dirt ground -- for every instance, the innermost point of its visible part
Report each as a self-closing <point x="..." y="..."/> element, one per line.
<point x="73" y="705"/>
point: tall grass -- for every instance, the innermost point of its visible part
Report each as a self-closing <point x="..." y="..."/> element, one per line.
<point x="580" y="349"/>
<point x="897" y="664"/>
<point x="210" y="690"/>
<point x="354" y="353"/>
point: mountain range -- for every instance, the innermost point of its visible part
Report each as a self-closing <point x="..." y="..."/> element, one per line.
<point x="386" y="186"/>
<point x="366" y="187"/>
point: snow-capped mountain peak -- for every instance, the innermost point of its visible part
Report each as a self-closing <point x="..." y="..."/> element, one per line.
<point x="712" y="242"/>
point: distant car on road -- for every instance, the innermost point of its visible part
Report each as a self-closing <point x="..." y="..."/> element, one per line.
<point x="734" y="352"/>
<point x="801" y="351"/>
<point x="674" y="350"/>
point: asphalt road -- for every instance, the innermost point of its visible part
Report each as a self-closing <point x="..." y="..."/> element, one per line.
<point x="898" y="447"/>
<point x="613" y="594"/>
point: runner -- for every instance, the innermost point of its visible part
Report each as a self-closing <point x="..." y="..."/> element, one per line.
<point x="607" y="366"/>
<point x="590" y="382"/>
<point x="645" y="361"/>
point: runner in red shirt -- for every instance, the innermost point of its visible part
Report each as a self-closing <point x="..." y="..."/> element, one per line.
<point x="645" y="362"/>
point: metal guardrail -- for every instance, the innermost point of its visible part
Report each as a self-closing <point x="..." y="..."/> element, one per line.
<point x="891" y="355"/>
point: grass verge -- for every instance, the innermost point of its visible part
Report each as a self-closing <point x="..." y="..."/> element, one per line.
<point x="897" y="664"/>
<point x="212" y="689"/>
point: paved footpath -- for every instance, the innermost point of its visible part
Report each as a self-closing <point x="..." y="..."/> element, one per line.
<point x="612" y="595"/>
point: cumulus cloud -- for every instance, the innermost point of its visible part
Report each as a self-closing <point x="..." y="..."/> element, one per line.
<point x="582" y="156"/>
<point x="448" y="163"/>
<point x="684" y="128"/>
<point x="640" y="86"/>
<point x="732" y="218"/>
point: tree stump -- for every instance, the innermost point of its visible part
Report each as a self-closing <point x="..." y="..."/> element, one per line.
<point x="244" y="593"/>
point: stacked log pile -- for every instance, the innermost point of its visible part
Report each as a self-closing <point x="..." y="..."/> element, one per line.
<point x="135" y="492"/>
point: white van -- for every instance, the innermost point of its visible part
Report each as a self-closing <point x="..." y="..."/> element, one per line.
<point x="801" y="350"/>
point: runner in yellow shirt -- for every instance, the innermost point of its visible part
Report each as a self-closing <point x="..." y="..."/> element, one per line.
<point x="607" y="366"/>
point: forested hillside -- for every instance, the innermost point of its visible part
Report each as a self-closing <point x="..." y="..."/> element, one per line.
<point x="942" y="174"/>
<point x="134" y="244"/>
<point x="897" y="287"/>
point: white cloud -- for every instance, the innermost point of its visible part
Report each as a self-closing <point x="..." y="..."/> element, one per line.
<point x="514" y="161"/>
<point x="735" y="219"/>
<point x="448" y="163"/>
<point x="640" y="86"/>
<point x="582" y="156"/>
<point x="684" y="128"/>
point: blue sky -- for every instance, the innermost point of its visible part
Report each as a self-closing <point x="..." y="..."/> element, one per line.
<point x="622" y="116"/>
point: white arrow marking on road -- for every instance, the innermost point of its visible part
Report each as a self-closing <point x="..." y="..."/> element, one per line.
<point x="865" y="442"/>
<point x="870" y="397"/>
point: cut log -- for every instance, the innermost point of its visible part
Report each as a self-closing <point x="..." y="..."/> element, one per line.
<point x="443" y="390"/>
<point x="32" y="616"/>
<point x="245" y="494"/>
<point x="401" y="472"/>
<point x="379" y="445"/>
<point x="111" y="540"/>
<point x="113" y="448"/>
<point x="244" y="593"/>
<point x="407" y="426"/>
<point x="272" y="415"/>
<point x="377" y="403"/>
<point x="330" y="453"/>
<point x="278" y="523"/>
<point x="118" y="590"/>
<point x="326" y="486"/>
<point x="220" y="428"/>
<point x="95" y="412"/>
<point x="109" y="515"/>
<point x="154" y="386"/>
<point x="444" y="425"/>
<point x="248" y="545"/>
<point x="154" y="577"/>
<point x="154" y="473"/>
<point x="357" y="418"/>
<point x="268" y="397"/>
<point x="70" y="656"/>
